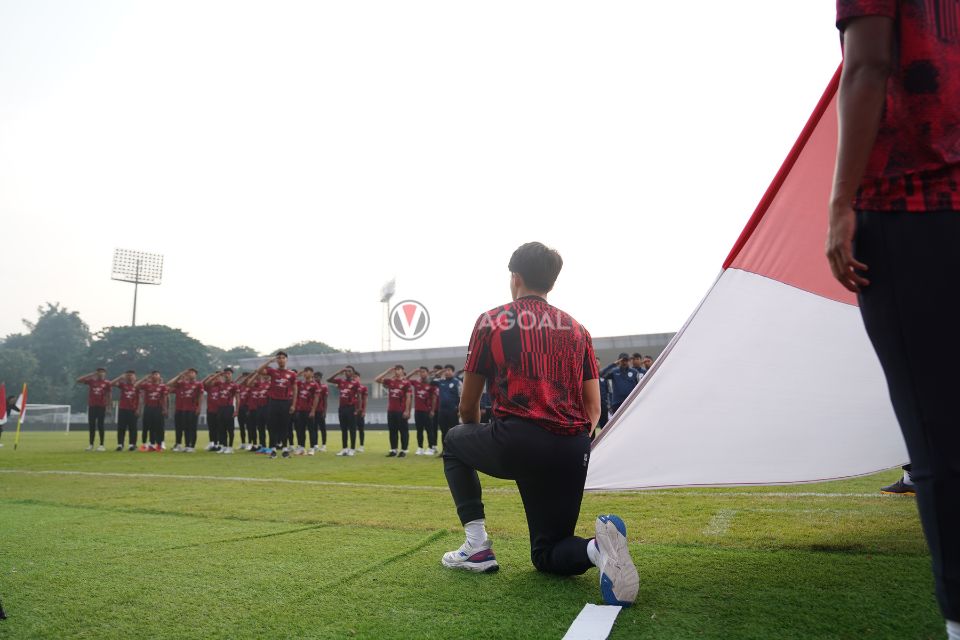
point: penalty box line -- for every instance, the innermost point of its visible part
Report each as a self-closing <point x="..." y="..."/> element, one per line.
<point x="411" y="487"/>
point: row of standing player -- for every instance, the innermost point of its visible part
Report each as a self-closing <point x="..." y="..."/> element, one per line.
<point x="431" y="395"/>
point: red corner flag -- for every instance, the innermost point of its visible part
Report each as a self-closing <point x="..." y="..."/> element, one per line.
<point x="3" y="406"/>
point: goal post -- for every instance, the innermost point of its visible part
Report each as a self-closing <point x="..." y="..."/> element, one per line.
<point x="47" y="417"/>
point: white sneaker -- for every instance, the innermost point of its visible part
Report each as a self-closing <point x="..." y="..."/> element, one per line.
<point x="343" y="452"/>
<point x="177" y="448"/>
<point x="419" y="451"/>
<point x="360" y="449"/>
<point x="351" y="452"/>
<point x="211" y="446"/>
<point x="163" y="446"/>
<point x="429" y="452"/>
<point x="619" y="580"/>
<point x="188" y="449"/>
<point x="90" y="448"/>
<point x="480" y="559"/>
<point x="312" y="451"/>
<point x="101" y="448"/>
<point x="323" y="448"/>
<point x="228" y="450"/>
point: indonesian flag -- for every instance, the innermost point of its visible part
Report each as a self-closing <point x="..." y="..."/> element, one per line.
<point x="3" y="406"/>
<point x="772" y="380"/>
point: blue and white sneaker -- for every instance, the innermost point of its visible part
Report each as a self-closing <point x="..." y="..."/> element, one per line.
<point x="619" y="580"/>
<point x="480" y="559"/>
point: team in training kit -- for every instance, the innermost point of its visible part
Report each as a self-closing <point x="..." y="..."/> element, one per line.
<point x="280" y="412"/>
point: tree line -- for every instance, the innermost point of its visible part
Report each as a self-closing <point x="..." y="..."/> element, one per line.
<point x="58" y="347"/>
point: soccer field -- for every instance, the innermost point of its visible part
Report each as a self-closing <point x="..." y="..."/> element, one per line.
<point x="170" y="545"/>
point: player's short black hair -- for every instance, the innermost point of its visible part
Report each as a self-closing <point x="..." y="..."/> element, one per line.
<point x="310" y="369"/>
<point x="100" y="369"/>
<point x="636" y="355"/>
<point x="537" y="264"/>
<point x="319" y="374"/>
<point x="449" y="366"/>
<point x="154" y="371"/>
<point x="282" y="353"/>
<point x="228" y="369"/>
<point x="399" y="366"/>
<point x="192" y="369"/>
<point x="648" y="357"/>
<point x="131" y="371"/>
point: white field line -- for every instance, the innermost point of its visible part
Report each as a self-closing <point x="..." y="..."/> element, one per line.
<point x="719" y="493"/>
<point x="720" y="522"/>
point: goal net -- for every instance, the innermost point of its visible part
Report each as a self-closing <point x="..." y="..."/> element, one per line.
<point x="43" y="417"/>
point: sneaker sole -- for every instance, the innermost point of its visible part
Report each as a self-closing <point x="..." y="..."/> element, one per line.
<point x="488" y="566"/>
<point x="619" y="582"/>
<point x="899" y="493"/>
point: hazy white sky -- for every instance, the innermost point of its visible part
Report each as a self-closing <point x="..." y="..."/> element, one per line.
<point x="289" y="157"/>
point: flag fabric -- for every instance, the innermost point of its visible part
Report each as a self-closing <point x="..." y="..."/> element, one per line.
<point x="21" y="405"/>
<point x="772" y="380"/>
<point x="3" y="406"/>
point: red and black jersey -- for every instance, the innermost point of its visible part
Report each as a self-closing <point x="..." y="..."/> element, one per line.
<point x="228" y="391"/>
<point x="282" y="382"/>
<point x="258" y="394"/>
<point x="154" y="394"/>
<point x="349" y="391"/>
<point x="424" y="396"/>
<point x="397" y="390"/>
<point x="323" y="391"/>
<point x="915" y="162"/>
<point x="306" y="392"/>
<point x="244" y="397"/>
<point x="535" y="358"/>
<point x="213" y="398"/>
<point x="129" y="396"/>
<point x="99" y="393"/>
<point x="187" y="395"/>
<point x="362" y="392"/>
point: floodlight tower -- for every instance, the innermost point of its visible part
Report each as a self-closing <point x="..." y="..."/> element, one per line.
<point x="386" y="292"/>
<point x="137" y="267"/>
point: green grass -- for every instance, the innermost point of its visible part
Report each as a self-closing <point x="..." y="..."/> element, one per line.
<point x="331" y="547"/>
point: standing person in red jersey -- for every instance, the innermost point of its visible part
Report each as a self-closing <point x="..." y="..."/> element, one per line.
<point x="426" y="398"/>
<point x="894" y="233"/>
<point x="187" y="391"/>
<point x="539" y="365"/>
<point x="244" y="417"/>
<point x="227" y="412"/>
<point x="362" y="393"/>
<point x="348" y="388"/>
<point x="306" y="410"/>
<point x="211" y="384"/>
<point x="128" y="409"/>
<point x="97" y="399"/>
<point x="320" y="421"/>
<point x="399" y="401"/>
<point x="259" y="388"/>
<point x="280" y="395"/>
<point x="154" y="409"/>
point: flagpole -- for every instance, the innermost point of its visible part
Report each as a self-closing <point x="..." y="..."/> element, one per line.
<point x="16" y="439"/>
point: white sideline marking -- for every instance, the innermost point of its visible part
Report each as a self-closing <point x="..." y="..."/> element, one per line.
<point x="719" y="493"/>
<point x="720" y="522"/>
<point x="593" y="623"/>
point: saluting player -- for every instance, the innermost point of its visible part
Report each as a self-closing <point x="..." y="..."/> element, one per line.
<point x="211" y="385"/>
<point x="187" y="392"/>
<point x="227" y="411"/>
<point x="449" y="387"/>
<point x="129" y="408"/>
<point x="320" y="421"/>
<point x="306" y="409"/>
<point x="259" y="387"/>
<point x="154" y="409"/>
<point x="97" y="399"/>
<point x="348" y="389"/>
<point x="399" y="400"/>
<point x="244" y="417"/>
<point x="426" y="399"/>
<point x="362" y="393"/>
<point x="282" y="391"/>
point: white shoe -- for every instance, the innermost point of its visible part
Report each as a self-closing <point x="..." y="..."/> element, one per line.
<point x="177" y="448"/>
<point x="188" y="449"/>
<point x="323" y="448"/>
<point x="211" y="446"/>
<point x="428" y="452"/>
<point x="343" y="452"/>
<point x="312" y="451"/>
<point x="419" y="451"/>
<point x="351" y="452"/>
<point x="163" y="446"/>
<point x="90" y="448"/>
<point x="619" y="580"/>
<point x="101" y="448"/>
<point x="480" y="559"/>
<point x="360" y="449"/>
<point x="228" y="450"/>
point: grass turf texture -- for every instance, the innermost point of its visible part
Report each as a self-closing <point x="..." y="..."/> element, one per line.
<point x="121" y="545"/>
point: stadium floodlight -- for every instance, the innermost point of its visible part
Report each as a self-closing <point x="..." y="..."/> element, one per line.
<point x="386" y="292"/>
<point x="137" y="267"/>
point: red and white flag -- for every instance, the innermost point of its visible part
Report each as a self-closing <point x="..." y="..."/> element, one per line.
<point x="3" y="406"/>
<point x="799" y="395"/>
